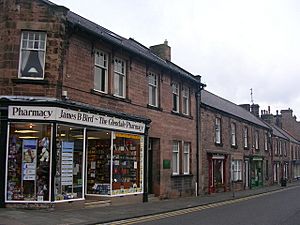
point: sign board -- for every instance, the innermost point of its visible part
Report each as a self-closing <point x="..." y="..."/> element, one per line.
<point x="72" y="116"/>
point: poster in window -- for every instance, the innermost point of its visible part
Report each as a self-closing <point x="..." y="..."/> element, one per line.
<point x="29" y="159"/>
<point x="67" y="163"/>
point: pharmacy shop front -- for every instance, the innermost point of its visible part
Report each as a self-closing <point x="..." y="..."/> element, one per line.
<point x="58" y="154"/>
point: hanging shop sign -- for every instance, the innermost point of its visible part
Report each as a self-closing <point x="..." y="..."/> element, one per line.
<point x="72" y="116"/>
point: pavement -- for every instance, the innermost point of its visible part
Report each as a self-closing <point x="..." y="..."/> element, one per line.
<point x="99" y="215"/>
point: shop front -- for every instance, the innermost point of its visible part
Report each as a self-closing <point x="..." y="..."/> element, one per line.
<point x="60" y="154"/>
<point x="256" y="171"/>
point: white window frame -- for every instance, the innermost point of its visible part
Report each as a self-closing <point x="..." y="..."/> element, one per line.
<point x="101" y="64"/>
<point x="153" y="89"/>
<point x="119" y="75"/>
<point x="32" y="41"/>
<point x="175" y="95"/>
<point x="218" y="130"/>
<point x="236" y="173"/>
<point x="266" y="141"/>
<point x="233" y="133"/>
<point x="280" y="147"/>
<point x="185" y="100"/>
<point x="175" y="157"/>
<point x="186" y="157"/>
<point x="256" y="139"/>
<point x="245" y="137"/>
<point x="276" y="146"/>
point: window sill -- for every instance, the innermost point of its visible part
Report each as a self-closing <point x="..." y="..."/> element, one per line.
<point x="105" y="95"/>
<point x="181" y="175"/>
<point x="29" y="81"/>
<point x="219" y="144"/>
<point x="181" y="114"/>
<point x="234" y="146"/>
<point x="154" y="107"/>
<point x="246" y="148"/>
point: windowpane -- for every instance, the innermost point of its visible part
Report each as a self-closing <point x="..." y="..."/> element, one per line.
<point x="246" y="137"/>
<point x="175" y="158"/>
<point x="175" y="90"/>
<point x="32" y="57"/>
<point x="152" y="82"/>
<point x="233" y="134"/>
<point x="185" y="101"/>
<point x="69" y="165"/>
<point x="29" y="162"/>
<point x="186" y="158"/>
<point x="218" y="130"/>
<point x="119" y="77"/>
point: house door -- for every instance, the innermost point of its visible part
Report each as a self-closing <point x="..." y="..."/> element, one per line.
<point x="216" y="181"/>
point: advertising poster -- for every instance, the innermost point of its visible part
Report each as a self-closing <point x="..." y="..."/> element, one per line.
<point x="29" y="159"/>
<point x="67" y="163"/>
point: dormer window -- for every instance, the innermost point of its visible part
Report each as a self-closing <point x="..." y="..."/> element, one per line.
<point x="32" y="55"/>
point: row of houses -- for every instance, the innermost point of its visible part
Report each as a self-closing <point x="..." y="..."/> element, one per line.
<point x="87" y="114"/>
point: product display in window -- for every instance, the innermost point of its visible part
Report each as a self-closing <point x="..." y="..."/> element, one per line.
<point x="28" y="171"/>
<point x="126" y="164"/>
<point x="98" y="174"/>
<point x="69" y="163"/>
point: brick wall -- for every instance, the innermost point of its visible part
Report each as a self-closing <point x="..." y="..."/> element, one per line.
<point x="30" y="15"/>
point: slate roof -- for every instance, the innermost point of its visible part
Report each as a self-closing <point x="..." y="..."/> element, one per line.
<point x="127" y="44"/>
<point x="226" y="106"/>
<point x="286" y="134"/>
<point x="278" y="132"/>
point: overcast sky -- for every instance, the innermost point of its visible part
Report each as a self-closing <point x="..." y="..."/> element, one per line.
<point x="234" y="45"/>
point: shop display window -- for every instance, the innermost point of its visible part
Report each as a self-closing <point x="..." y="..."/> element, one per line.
<point x="127" y="163"/>
<point x="68" y="179"/>
<point x="98" y="163"/>
<point x="28" y="162"/>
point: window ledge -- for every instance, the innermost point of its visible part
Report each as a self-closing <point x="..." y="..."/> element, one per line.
<point x="29" y="81"/>
<point x="105" y="95"/>
<point x="219" y="144"/>
<point x="154" y="107"/>
<point x="181" y="175"/>
<point x="181" y="114"/>
<point x="234" y="146"/>
<point x="246" y="148"/>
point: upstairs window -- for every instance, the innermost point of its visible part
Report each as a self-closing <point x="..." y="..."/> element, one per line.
<point x="185" y="100"/>
<point x="266" y="141"/>
<point x="275" y="147"/>
<point x="245" y="137"/>
<point x="32" y="55"/>
<point x="175" y="90"/>
<point x="233" y="134"/>
<point x="280" y="147"/>
<point x="218" y="131"/>
<point x="153" y="89"/>
<point x="256" y="140"/>
<point x="119" y="77"/>
<point x="100" y="71"/>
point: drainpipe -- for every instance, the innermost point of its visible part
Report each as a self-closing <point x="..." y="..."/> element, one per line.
<point x="145" y="178"/>
<point x="200" y="87"/>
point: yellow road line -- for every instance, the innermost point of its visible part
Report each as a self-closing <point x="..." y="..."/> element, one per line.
<point x="192" y="209"/>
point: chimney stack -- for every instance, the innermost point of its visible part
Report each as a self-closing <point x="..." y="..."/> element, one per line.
<point x="162" y="50"/>
<point x="255" y="110"/>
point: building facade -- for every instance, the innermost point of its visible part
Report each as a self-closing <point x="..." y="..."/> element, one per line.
<point x="235" y="146"/>
<point x="88" y="114"/>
